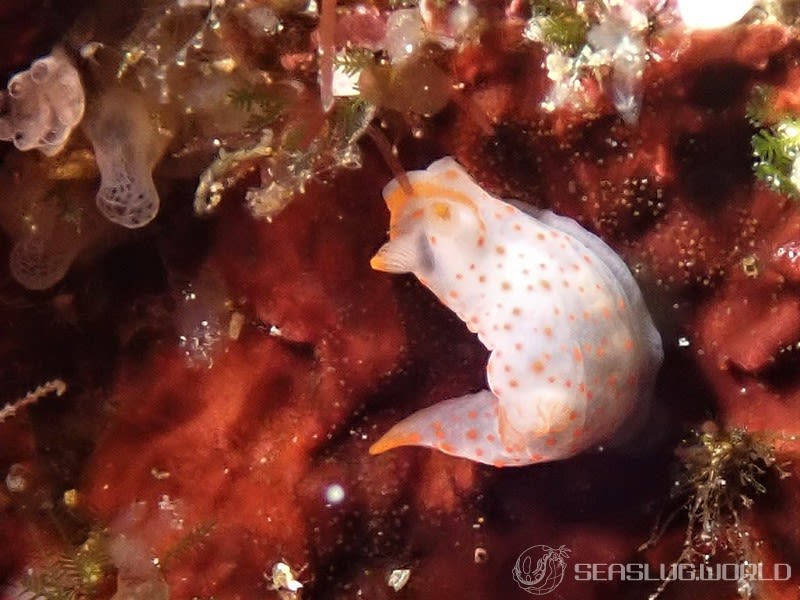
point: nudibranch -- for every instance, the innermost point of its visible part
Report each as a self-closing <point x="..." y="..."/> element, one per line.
<point x="573" y="347"/>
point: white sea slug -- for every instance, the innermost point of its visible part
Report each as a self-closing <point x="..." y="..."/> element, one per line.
<point x="573" y="348"/>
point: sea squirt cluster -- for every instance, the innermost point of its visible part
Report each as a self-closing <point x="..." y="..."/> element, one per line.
<point x="45" y="103"/>
<point x="202" y="355"/>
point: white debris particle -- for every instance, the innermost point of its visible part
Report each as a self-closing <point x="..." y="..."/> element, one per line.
<point x="398" y="579"/>
<point x="70" y="498"/>
<point x="159" y="474"/>
<point x="16" y="479"/>
<point x="173" y="508"/>
<point x="235" y="325"/>
<point x="283" y="578"/>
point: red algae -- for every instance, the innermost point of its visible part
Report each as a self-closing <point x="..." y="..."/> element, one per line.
<point x="234" y="443"/>
<point x="212" y="478"/>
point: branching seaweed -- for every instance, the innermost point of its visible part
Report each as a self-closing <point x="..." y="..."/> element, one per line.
<point x="759" y="108"/>
<point x="290" y="166"/>
<point x="144" y="47"/>
<point x="195" y="539"/>
<point x="86" y="571"/>
<point x="80" y="573"/>
<point x="335" y="146"/>
<point x="721" y="474"/>
<point x="264" y="108"/>
<point x="354" y="60"/>
<point x="777" y="149"/>
<point x="558" y="25"/>
<point x="225" y="171"/>
<point x="776" y="143"/>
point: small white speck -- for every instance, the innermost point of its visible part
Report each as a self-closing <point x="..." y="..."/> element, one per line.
<point x="159" y="474"/>
<point x="16" y="480"/>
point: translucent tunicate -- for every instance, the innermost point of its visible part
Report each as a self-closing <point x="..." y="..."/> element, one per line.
<point x="43" y="105"/>
<point x="124" y="139"/>
<point x="260" y="20"/>
<point x="47" y="215"/>
<point x="421" y="87"/>
<point x="449" y="21"/>
<point x="37" y="264"/>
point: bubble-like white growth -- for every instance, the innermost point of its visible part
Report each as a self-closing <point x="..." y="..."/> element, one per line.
<point x="199" y="320"/>
<point x="123" y="138"/>
<point x="622" y="46"/>
<point x="704" y="14"/>
<point x="36" y="266"/>
<point x="43" y="105"/>
<point x="405" y="33"/>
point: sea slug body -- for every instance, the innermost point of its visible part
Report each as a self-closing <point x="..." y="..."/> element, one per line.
<point x="573" y="347"/>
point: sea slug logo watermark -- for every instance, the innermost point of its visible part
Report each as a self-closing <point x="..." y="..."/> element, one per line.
<point x="540" y="569"/>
